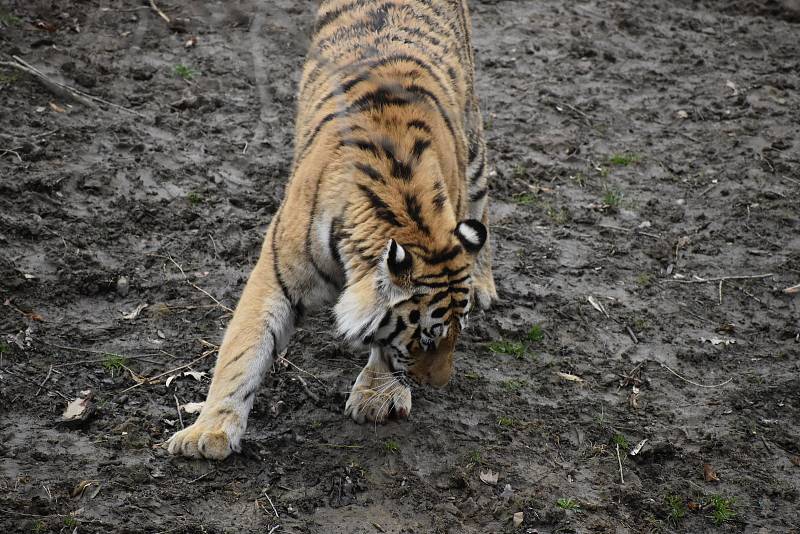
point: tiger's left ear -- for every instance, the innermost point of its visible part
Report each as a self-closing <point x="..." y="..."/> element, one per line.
<point x="472" y="234"/>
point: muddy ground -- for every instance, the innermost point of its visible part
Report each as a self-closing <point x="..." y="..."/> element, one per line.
<point x="637" y="145"/>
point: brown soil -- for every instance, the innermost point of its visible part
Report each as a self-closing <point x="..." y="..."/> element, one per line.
<point x="637" y="145"/>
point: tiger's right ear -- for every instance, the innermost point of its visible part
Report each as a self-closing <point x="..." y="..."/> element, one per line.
<point x="398" y="260"/>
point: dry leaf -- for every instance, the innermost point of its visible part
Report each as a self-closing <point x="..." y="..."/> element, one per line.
<point x="192" y="407"/>
<point x="709" y="474"/>
<point x="596" y="305"/>
<point x="139" y="379"/>
<point x="75" y="409"/>
<point x="170" y="378"/>
<point x="489" y="477"/>
<point x="732" y="86"/>
<point x="795" y="460"/>
<point x="792" y="290"/>
<point x="638" y="448"/>
<point x="190" y="42"/>
<point x="55" y="107"/>
<point x="197" y="375"/>
<point x="693" y="506"/>
<point x="567" y="376"/>
<point x="682" y="114"/>
<point x="519" y="517"/>
<point x="86" y="488"/>
<point x="135" y="313"/>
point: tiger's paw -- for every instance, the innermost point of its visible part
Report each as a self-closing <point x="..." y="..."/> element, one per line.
<point x="373" y="398"/>
<point x="485" y="291"/>
<point x="214" y="437"/>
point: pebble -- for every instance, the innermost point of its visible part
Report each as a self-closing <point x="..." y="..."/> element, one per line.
<point x="123" y="286"/>
<point x="519" y="517"/>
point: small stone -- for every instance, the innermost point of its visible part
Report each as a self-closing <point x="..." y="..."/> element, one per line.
<point x="123" y="286"/>
<point x="519" y="517"/>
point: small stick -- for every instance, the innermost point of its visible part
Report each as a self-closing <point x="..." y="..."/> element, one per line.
<point x="720" y="291"/>
<point x="26" y="379"/>
<point x="290" y="362"/>
<point x="160" y="13"/>
<point x="200" y="289"/>
<point x="311" y="395"/>
<point x="201" y="477"/>
<point x="46" y="378"/>
<point x="149" y="380"/>
<point x="58" y="89"/>
<point x="619" y="460"/>
<point x="699" y="280"/>
<point x="273" y="529"/>
<point x="792" y="290"/>
<point x="665" y="366"/>
<point x="270" y="503"/>
<point x="633" y="336"/>
<point x="178" y="407"/>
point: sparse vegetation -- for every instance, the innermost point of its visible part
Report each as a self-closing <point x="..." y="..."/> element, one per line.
<point x="525" y="199"/>
<point x="612" y="199"/>
<point x="39" y="526"/>
<point x="70" y="521"/>
<point x="506" y="421"/>
<point x="558" y="216"/>
<point x="676" y="508"/>
<point x="721" y="509"/>
<point x="514" y="348"/>
<point x="535" y="334"/>
<point x="520" y="171"/>
<point x="623" y="160"/>
<point x="114" y="363"/>
<point x="644" y="280"/>
<point x="620" y="440"/>
<point x="194" y="198"/>
<point x="7" y="19"/>
<point x="472" y="375"/>
<point x="391" y="446"/>
<point x="187" y="73"/>
<point x="568" y="504"/>
<point x="513" y="385"/>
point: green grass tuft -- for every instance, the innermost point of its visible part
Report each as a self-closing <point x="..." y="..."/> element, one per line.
<point x="187" y="73"/>
<point x="506" y="421"/>
<point x="114" y="363"/>
<point x="677" y="508"/>
<point x="535" y="334"/>
<point x="514" y="348"/>
<point x="623" y="160"/>
<point x="620" y="440"/>
<point x="513" y="385"/>
<point x="612" y="199"/>
<point x="391" y="446"/>
<point x="568" y="504"/>
<point x="721" y="509"/>
<point x="194" y="198"/>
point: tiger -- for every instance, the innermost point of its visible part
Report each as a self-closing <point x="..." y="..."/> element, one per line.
<point x="384" y="216"/>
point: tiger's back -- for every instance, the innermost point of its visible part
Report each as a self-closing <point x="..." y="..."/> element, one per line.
<point x="385" y="214"/>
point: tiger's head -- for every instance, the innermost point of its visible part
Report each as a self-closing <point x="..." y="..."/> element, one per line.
<point x="415" y="303"/>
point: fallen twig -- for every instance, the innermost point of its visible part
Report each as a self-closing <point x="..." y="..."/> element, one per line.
<point x="178" y="407"/>
<point x="619" y="460"/>
<point x="792" y="290"/>
<point x="698" y="280"/>
<point x="160" y="13"/>
<point x="628" y="230"/>
<point x="149" y="380"/>
<point x="46" y="378"/>
<point x="57" y="88"/>
<point x="41" y="386"/>
<point x="311" y="395"/>
<point x="665" y="366"/>
<point x="200" y="289"/>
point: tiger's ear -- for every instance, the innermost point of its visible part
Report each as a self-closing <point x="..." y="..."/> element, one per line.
<point x="472" y="234"/>
<point x="398" y="260"/>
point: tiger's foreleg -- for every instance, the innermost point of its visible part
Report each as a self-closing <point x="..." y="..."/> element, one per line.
<point x="260" y="329"/>
<point x="376" y="392"/>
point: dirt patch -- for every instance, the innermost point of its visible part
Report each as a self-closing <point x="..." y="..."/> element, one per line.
<point x="637" y="146"/>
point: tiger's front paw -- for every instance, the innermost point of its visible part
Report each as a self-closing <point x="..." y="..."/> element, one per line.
<point x="214" y="437"/>
<point x="485" y="290"/>
<point x="372" y="399"/>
